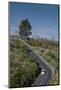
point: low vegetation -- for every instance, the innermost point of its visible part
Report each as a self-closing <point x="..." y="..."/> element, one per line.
<point x="49" y="51"/>
<point x="23" y="69"/>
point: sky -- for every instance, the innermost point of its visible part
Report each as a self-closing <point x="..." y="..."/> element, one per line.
<point x="42" y="17"/>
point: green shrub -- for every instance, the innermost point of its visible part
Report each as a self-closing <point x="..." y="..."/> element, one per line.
<point x="23" y="69"/>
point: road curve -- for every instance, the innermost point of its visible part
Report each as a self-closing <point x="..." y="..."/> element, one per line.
<point x="42" y="80"/>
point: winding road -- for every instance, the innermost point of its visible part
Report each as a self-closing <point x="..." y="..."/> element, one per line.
<point x="42" y="80"/>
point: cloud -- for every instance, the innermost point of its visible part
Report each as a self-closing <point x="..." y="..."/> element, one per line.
<point x="47" y="33"/>
<point x="14" y="30"/>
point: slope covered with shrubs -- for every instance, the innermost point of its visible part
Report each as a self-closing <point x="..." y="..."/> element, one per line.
<point x="23" y="69"/>
<point x="49" y="51"/>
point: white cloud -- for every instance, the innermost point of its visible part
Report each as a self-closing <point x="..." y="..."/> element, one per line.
<point x="14" y="30"/>
<point x="44" y="33"/>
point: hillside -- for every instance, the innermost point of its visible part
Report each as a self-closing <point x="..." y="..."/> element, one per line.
<point x="23" y="69"/>
<point x="49" y="51"/>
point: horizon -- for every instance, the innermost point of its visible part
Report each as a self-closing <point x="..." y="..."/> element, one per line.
<point x="42" y="17"/>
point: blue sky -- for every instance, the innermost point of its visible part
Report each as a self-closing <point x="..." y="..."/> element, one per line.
<point x="43" y="19"/>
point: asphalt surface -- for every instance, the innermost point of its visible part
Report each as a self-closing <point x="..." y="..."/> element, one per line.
<point x="42" y="80"/>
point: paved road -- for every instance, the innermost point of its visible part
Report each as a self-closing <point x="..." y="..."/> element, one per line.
<point x="41" y="80"/>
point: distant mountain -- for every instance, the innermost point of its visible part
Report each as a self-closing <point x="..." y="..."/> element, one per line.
<point x="14" y="36"/>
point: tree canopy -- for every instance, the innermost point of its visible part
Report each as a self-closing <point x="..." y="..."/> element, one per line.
<point x="25" y="28"/>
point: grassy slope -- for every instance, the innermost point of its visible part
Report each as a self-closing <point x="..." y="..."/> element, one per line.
<point x="23" y="69"/>
<point x="49" y="51"/>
